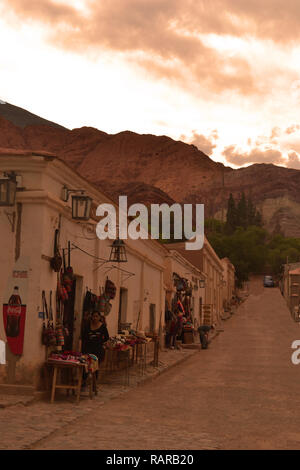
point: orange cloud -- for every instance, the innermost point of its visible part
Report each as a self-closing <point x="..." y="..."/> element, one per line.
<point x="292" y="129"/>
<point x="205" y="144"/>
<point x="161" y="33"/>
<point x="254" y="156"/>
<point x="165" y="37"/>
<point x="293" y="161"/>
<point x="44" y="11"/>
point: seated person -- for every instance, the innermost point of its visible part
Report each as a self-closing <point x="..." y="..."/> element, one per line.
<point x="203" y="334"/>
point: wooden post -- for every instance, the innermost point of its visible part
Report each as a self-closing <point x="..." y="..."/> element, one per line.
<point x="53" y="384"/>
<point x="160" y="332"/>
<point x="156" y="351"/>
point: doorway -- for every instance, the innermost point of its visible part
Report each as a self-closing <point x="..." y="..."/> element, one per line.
<point x="152" y="318"/>
<point x="122" y="317"/>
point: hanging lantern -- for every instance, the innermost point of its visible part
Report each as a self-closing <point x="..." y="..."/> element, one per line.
<point x="118" y="252"/>
<point x="8" y="189"/>
<point x="81" y="207"/>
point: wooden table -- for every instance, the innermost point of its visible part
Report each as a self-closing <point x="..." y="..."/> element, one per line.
<point x="58" y="367"/>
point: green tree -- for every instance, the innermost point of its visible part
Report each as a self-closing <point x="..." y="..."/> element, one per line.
<point x="251" y="212"/>
<point x="231" y="218"/>
<point x="242" y="215"/>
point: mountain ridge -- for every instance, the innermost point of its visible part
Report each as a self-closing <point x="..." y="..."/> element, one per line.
<point x="149" y="168"/>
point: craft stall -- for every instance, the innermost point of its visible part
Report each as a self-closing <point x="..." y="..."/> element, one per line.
<point x="98" y="354"/>
<point x="179" y="318"/>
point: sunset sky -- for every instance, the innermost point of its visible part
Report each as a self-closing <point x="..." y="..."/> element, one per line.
<point x="221" y="74"/>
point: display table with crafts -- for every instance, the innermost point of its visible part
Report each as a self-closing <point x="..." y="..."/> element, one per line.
<point x="72" y="365"/>
<point x="124" y="351"/>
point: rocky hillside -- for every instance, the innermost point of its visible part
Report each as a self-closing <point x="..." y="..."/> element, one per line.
<point x="156" y="169"/>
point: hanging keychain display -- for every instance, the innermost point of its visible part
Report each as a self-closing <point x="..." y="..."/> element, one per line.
<point x="48" y="333"/>
<point x="59" y="328"/>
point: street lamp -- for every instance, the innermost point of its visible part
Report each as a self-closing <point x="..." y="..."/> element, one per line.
<point x="81" y="204"/>
<point x="8" y="189"/>
<point x="81" y="207"/>
<point x="118" y="252"/>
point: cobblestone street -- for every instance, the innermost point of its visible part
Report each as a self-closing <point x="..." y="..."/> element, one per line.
<point x="241" y="393"/>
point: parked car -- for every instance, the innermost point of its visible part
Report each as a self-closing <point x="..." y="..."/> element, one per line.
<point x="268" y="281"/>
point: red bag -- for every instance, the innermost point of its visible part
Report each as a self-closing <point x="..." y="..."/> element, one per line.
<point x="62" y="291"/>
<point x="67" y="277"/>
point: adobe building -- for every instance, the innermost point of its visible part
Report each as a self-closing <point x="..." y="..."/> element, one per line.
<point x="228" y="285"/>
<point x="42" y="208"/>
<point x="47" y="208"/>
<point x="178" y="266"/>
<point x="290" y="287"/>
<point x="211" y="272"/>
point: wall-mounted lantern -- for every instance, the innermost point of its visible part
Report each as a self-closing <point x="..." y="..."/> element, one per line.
<point x="8" y="189"/>
<point x="118" y="252"/>
<point x="81" y="207"/>
<point x="201" y="283"/>
<point x="81" y="204"/>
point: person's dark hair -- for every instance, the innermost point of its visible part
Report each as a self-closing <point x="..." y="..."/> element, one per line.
<point x="96" y="311"/>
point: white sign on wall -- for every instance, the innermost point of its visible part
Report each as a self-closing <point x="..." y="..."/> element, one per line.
<point x="2" y="352"/>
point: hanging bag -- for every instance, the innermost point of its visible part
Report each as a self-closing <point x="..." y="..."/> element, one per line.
<point x="60" y="340"/>
<point x="107" y="308"/>
<point x="102" y="303"/>
<point x="110" y="289"/>
<point x="66" y="280"/>
<point x="56" y="261"/>
<point x="62" y="291"/>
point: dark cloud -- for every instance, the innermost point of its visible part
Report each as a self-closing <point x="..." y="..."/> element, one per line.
<point x="254" y="156"/>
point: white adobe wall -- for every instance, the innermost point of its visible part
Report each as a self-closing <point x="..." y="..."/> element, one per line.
<point x="41" y="208"/>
